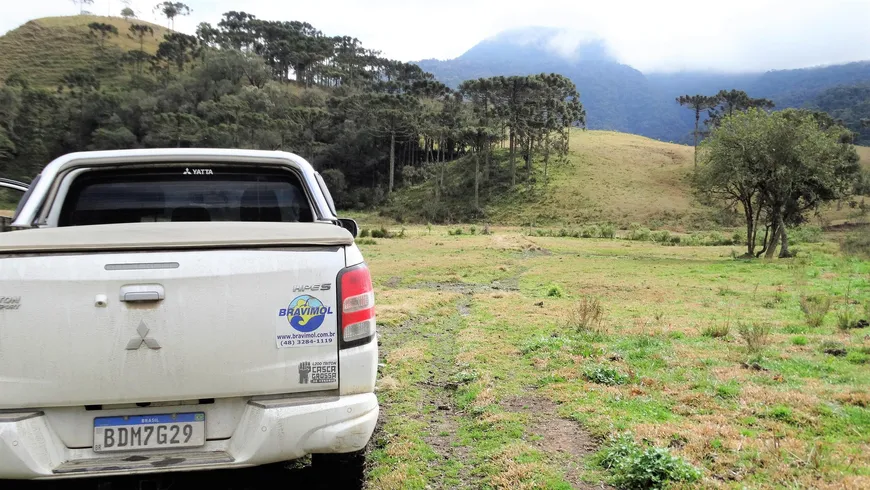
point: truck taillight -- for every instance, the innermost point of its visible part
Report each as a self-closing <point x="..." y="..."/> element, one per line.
<point x="357" y="303"/>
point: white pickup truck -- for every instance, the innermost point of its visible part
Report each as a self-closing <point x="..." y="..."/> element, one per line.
<point x="184" y="309"/>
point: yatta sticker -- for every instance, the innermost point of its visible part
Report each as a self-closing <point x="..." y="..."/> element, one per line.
<point x="304" y="323"/>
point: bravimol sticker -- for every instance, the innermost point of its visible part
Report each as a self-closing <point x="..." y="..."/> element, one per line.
<point x="306" y="321"/>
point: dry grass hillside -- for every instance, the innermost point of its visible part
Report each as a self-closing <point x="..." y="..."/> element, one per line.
<point x="611" y="177"/>
<point x="43" y="50"/>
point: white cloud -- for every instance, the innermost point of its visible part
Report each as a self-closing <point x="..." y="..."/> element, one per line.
<point x="737" y="35"/>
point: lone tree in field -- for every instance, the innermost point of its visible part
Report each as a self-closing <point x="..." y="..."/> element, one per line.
<point x="81" y="4"/>
<point x="776" y="167"/>
<point x="171" y="10"/>
<point x="128" y="13"/>
<point x="697" y="103"/>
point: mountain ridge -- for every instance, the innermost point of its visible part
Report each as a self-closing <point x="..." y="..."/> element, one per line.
<point x="619" y="97"/>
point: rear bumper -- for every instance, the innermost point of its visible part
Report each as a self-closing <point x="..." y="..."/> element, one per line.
<point x="270" y="431"/>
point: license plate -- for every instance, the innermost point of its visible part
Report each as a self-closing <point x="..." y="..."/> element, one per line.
<point x="137" y="432"/>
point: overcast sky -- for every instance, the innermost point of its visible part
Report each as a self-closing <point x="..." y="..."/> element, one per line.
<point x="651" y="35"/>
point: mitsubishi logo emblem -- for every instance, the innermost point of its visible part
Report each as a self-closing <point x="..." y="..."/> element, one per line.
<point x="186" y="172"/>
<point x="142" y="338"/>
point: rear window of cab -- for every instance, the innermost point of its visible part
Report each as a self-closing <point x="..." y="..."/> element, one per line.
<point x="186" y="193"/>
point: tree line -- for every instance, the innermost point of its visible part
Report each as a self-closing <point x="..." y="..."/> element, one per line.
<point x="359" y="117"/>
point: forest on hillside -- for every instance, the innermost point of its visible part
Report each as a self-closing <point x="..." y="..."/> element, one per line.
<point x="368" y="123"/>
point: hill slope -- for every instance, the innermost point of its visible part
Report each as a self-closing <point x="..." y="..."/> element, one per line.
<point x="610" y="177"/>
<point x="43" y="50"/>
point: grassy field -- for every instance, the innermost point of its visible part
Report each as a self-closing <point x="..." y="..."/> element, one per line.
<point x="43" y="50"/>
<point x="609" y="177"/>
<point x="493" y="378"/>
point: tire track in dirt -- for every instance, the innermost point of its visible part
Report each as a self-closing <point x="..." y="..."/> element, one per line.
<point x="564" y="440"/>
<point x="441" y="387"/>
<point x="437" y="402"/>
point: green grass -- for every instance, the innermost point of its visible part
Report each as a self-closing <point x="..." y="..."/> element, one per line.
<point x="491" y="335"/>
<point x="43" y="50"/>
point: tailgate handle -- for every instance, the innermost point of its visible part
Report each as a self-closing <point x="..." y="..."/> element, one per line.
<point x="142" y="292"/>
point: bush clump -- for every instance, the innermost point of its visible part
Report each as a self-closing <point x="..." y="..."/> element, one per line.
<point x="586" y="315"/>
<point x="847" y="318"/>
<point x="857" y="244"/>
<point x="381" y="233"/>
<point x="555" y="291"/>
<point x="590" y="231"/>
<point x="756" y="336"/>
<point x="605" y="375"/>
<point x="815" y="309"/>
<point x="633" y="466"/>
<point x="661" y="236"/>
<point x="716" y="331"/>
<point x="805" y="234"/>
<point x="639" y="234"/>
<point x="607" y="230"/>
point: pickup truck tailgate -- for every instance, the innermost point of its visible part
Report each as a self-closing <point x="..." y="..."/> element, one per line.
<point x="204" y="321"/>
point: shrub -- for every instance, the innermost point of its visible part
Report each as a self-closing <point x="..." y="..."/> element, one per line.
<point x="364" y="233"/>
<point x="635" y="467"/>
<point x="834" y="348"/>
<point x="815" y="308"/>
<point x="661" y="236"/>
<point x="586" y="315"/>
<point x="607" y="230"/>
<point x="590" y="231"/>
<point x="458" y="232"/>
<point x="366" y="241"/>
<point x="605" y="375"/>
<point x="779" y="412"/>
<point x="857" y="357"/>
<point x="799" y="340"/>
<point x="544" y="342"/>
<point x="382" y="233"/>
<point x="728" y="390"/>
<point x="716" y="331"/>
<point x="847" y="319"/>
<point x="555" y="291"/>
<point x="805" y="234"/>
<point x="857" y="244"/>
<point x="756" y="335"/>
<point x="714" y="238"/>
<point x="564" y="233"/>
<point x="738" y="237"/>
<point x="639" y="234"/>
<point x="473" y="230"/>
<point x="693" y="240"/>
<point x="675" y="240"/>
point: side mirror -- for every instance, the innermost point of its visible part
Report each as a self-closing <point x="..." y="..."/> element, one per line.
<point x="349" y="225"/>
